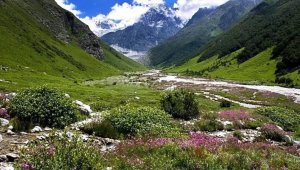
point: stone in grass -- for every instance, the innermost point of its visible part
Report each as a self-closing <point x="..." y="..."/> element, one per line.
<point x="36" y="129"/>
<point x="85" y="109"/>
<point x="11" y="157"/>
<point x="4" y="122"/>
<point x="1" y="139"/>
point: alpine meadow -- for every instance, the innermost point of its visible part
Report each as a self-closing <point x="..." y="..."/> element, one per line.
<point x="154" y="84"/>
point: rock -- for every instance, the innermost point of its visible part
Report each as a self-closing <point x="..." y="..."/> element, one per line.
<point x="137" y="98"/>
<point x="67" y="95"/>
<point x="10" y="95"/>
<point x="109" y="168"/>
<point x="41" y="137"/>
<point x="11" y="157"/>
<point x="3" y="158"/>
<point x="36" y="129"/>
<point x="10" y="132"/>
<point x="1" y="139"/>
<point x="47" y="129"/>
<point x="10" y="127"/>
<point x="70" y="135"/>
<point x="288" y="139"/>
<point x="85" y="109"/>
<point x="280" y="128"/>
<point x="4" y="122"/>
<point x="6" y="166"/>
<point x="23" y="133"/>
<point x="84" y="138"/>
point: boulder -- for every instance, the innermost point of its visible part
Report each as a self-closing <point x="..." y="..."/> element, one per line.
<point x="10" y="127"/>
<point x="3" y="158"/>
<point x="6" y="166"/>
<point x="36" y="129"/>
<point x="11" y="157"/>
<point x="10" y="132"/>
<point x="288" y="139"/>
<point x="85" y="109"/>
<point x="4" y="122"/>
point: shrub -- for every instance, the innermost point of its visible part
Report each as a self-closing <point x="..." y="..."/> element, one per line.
<point x="180" y="104"/>
<point x="102" y="129"/>
<point x="129" y="120"/>
<point x="238" y="135"/>
<point x="60" y="154"/>
<point x="225" y="103"/>
<point x="209" y="125"/>
<point x="272" y="132"/>
<point x="43" y="106"/>
<point x="288" y="119"/>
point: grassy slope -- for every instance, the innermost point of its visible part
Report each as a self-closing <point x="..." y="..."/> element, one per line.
<point x="28" y="48"/>
<point x="30" y="56"/>
<point x="258" y="68"/>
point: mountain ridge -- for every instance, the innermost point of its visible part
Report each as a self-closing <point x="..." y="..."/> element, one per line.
<point x="185" y="43"/>
<point x="155" y="26"/>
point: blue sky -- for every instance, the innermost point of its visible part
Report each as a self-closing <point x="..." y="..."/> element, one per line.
<point x="94" y="7"/>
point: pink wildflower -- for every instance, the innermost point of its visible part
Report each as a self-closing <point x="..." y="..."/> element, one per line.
<point x="235" y="115"/>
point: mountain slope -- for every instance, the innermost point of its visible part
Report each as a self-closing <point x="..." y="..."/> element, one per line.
<point x="266" y="40"/>
<point x="158" y="24"/>
<point x="211" y="23"/>
<point x="40" y="39"/>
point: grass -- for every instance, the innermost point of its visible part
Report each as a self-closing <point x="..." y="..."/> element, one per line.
<point x="259" y="68"/>
<point x="27" y="46"/>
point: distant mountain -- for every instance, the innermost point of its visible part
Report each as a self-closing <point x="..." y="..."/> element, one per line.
<point x="265" y="46"/>
<point x="155" y="26"/>
<point x="205" y="25"/>
<point x="40" y="39"/>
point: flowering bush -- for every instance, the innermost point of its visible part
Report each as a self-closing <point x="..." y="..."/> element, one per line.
<point x="44" y="107"/>
<point x="288" y="119"/>
<point x="180" y="104"/>
<point x="235" y="115"/>
<point x="273" y="132"/>
<point x="198" y="151"/>
<point x="3" y="113"/>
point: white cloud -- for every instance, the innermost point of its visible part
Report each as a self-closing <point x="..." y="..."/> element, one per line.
<point x="68" y="6"/>
<point x="187" y="8"/>
<point x="148" y="2"/>
<point x="125" y="14"/>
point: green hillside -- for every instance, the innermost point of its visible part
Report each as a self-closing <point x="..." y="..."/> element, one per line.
<point x="32" y="54"/>
<point x="264" y="46"/>
<point x="203" y="27"/>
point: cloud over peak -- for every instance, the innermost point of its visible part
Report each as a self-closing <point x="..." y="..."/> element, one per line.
<point x="127" y="14"/>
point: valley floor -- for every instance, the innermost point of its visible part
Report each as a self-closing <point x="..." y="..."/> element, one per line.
<point x="145" y="89"/>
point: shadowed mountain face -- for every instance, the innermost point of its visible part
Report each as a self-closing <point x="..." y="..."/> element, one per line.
<point x="203" y="27"/>
<point x="63" y="24"/>
<point x="155" y="26"/>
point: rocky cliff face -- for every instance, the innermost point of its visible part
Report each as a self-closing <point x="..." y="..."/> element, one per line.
<point x="64" y="25"/>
